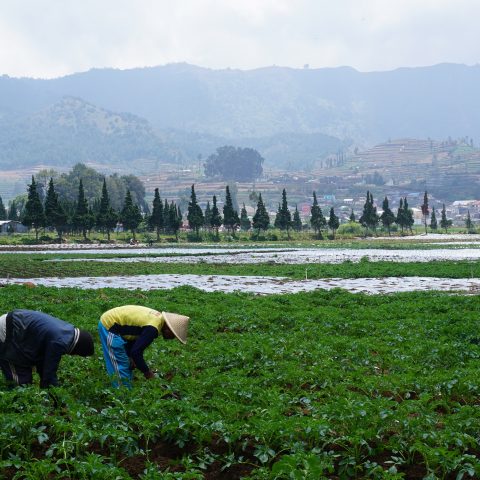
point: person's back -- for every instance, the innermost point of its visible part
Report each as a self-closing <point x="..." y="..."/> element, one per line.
<point x="32" y="331"/>
<point x="30" y="339"/>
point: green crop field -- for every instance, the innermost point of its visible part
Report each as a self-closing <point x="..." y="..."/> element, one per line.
<point x="322" y="385"/>
<point x="31" y="266"/>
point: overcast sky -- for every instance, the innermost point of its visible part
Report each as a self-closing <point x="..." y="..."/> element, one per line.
<point x="50" y="38"/>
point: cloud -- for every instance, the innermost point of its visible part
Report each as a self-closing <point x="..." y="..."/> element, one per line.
<point x="48" y="38"/>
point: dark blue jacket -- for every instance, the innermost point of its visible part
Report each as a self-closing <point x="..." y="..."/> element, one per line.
<point x="37" y="339"/>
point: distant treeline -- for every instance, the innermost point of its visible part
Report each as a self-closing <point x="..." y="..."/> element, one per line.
<point x="53" y="212"/>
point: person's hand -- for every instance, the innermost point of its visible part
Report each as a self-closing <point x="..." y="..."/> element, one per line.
<point x="149" y="375"/>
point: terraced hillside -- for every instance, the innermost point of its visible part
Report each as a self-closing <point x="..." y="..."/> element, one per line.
<point x="449" y="168"/>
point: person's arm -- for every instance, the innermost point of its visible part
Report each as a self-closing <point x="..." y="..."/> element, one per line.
<point x="148" y="335"/>
<point x="51" y="361"/>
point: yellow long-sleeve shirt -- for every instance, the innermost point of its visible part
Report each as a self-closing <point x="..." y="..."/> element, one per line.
<point x="128" y="320"/>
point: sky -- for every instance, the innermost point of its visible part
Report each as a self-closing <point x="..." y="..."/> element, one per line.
<point x="52" y="38"/>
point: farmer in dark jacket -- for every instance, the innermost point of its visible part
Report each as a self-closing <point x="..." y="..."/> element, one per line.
<point x="34" y="339"/>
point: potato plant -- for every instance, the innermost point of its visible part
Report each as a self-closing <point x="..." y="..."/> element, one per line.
<point x="306" y="386"/>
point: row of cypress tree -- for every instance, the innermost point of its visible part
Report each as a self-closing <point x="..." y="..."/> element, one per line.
<point x="167" y="217"/>
<point x="284" y="220"/>
<point x="404" y="217"/>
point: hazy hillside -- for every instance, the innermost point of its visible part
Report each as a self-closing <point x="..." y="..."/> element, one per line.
<point x="72" y="131"/>
<point x="436" y="102"/>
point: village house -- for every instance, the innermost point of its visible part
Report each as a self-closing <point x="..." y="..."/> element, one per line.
<point x="12" y="226"/>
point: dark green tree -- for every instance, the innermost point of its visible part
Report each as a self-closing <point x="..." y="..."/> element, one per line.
<point x="237" y="164"/>
<point x="3" y="211"/>
<point x="34" y="215"/>
<point x="81" y="219"/>
<point x="260" y="220"/>
<point x="297" y="221"/>
<point x="400" y="219"/>
<point x="283" y="220"/>
<point x="333" y="222"/>
<point x="130" y="215"/>
<point x="175" y="218"/>
<point x="387" y="217"/>
<point x="369" y="218"/>
<point x="245" y="223"/>
<point x="231" y="221"/>
<point x="445" y="223"/>
<point x="166" y="216"/>
<point x="55" y="216"/>
<point x="469" y="223"/>
<point x="195" y="215"/>
<point x="156" y="220"/>
<point x="208" y="216"/>
<point x="433" y="221"/>
<point x="409" y="220"/>
<point x="317" y="219"/>
<point x="425" y="210"/>
<point x="216" y="220"/>
<point x="13" y="211"/>
<point x="107" y="218"/>
<point x="352" y="217"/>
<point x="276" y="222"/>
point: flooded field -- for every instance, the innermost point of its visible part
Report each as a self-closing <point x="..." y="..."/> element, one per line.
<point x="259" y="285"/>
<point x="293" y="256"/>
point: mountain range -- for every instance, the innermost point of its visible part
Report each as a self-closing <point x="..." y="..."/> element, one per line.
<point x="180" y="113"/>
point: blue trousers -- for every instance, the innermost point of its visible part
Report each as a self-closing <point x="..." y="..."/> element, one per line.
<point x="116" y="358"/>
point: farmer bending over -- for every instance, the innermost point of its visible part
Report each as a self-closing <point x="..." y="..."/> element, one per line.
<point x="125" y="332"/>
<point x="34" y="339"/>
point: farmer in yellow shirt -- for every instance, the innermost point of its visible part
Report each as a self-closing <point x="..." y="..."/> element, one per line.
<point x="125" y="332"/>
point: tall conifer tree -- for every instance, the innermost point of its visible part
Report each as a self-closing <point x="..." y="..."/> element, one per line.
<point x="400" y="219"/>
<point x="230" y="215"/>
<point x="333" y="222"/>
<point x="469" y="223"/>
<point x="208" y="216"/>
<point x="444" y="222"/>
<point x="34" y="215"/>
<point x="260" y="220"/>
<point x="156" y="220"/>
<point x="195" y="215"/>
<point x="107" y="218"/>
<point x="284" y="217"/>
<point x="409" y="220"/>
<point x="3" y="211"/>
<point x="55" y="215"/>
<point x="425" y="210"/>
<point x="216" y="219"/>
<point x="297" y="221"/>
<point x="82" y="219"/>
<point x="387" y="217"/>
<point x="433" y="220"/>
<point x="12" y="211"/>
<point x="317" y="219"/>
<point x="245" y="223"/>
<point x="369" y="218"/>
<point x="175" y="218"/>
<point x="130" y="215"/>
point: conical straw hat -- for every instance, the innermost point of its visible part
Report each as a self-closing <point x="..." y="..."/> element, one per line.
<point x="178" y="324"/>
